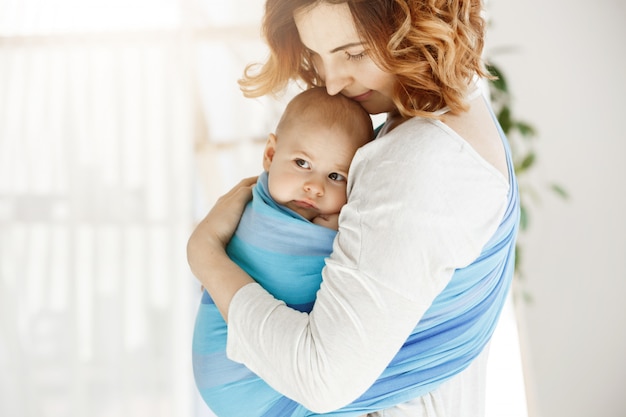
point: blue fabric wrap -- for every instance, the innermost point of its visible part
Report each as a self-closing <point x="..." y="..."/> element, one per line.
<point x="452" y="332"/>
<point x="285" y="253"/>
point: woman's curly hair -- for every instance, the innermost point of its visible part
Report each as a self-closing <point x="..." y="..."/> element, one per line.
<point x="433" y="47"/>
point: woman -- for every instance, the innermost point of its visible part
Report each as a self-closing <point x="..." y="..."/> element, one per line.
<point x="424" y="254"/>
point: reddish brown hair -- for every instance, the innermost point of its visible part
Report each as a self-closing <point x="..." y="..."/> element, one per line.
<point x="433" y="47"/>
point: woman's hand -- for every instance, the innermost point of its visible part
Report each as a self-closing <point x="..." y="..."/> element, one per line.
<point x="206" y="252"/>
<point x="219" y="225"/>
<point x="327" y="220"/>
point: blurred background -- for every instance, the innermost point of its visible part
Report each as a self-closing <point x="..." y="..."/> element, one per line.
<point x="565" y="63"/>
<point x="121" y="123"/>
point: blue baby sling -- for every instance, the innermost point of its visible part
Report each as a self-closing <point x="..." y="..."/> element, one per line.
<point x="450" y="335"/>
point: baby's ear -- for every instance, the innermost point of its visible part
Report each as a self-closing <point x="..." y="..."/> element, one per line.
<point x="270" y="150"/>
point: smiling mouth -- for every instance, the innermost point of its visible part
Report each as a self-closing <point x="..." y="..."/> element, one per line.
<point x="362" y="97"/>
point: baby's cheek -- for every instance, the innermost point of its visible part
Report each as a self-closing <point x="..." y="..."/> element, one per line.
<point x="339" y="200"/>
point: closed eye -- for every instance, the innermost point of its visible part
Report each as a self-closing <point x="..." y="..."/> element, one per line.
<point x="355" y="57"/>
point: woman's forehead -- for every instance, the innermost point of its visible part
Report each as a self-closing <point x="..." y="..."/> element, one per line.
<point x="326" y="28"/>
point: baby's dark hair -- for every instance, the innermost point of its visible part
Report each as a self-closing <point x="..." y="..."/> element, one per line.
<point x="336" y="111"/>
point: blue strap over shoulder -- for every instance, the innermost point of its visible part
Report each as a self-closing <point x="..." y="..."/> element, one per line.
<point x="287" y="259"/>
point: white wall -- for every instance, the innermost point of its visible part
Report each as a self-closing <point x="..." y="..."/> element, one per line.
<point x="568" y="75"/>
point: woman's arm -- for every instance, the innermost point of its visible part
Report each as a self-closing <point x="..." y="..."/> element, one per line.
<point x="413" y="215"/>
<point x="206" y="255"/>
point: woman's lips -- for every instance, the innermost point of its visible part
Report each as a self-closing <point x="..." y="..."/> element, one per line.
<point x="362" y="97"/>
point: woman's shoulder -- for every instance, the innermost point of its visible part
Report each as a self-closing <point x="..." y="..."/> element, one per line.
<point x="438" y="203"/>
<point x="422" y="166"/>
<point x="421" y="145"/>
<point x="416" y="141"/>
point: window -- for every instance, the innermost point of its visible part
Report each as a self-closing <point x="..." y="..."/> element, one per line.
<point x="102" y="106"/>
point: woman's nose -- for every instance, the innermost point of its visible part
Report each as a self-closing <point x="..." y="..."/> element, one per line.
<point x="335" y="78"/>
<point x="336" y="83"/>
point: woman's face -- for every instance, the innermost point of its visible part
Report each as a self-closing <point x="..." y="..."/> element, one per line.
<point x="341" y="58"/>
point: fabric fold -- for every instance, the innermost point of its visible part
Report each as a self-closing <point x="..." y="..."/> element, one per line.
<point x="285" y="254"/>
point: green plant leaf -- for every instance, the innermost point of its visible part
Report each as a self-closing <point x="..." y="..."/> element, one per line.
<point x="525" y="129"/>
<point x="523" y="154"/>
<point x="499" y="83"/>
<point x="504" y="117"/>
<point x="560" y="191"/>
<point x="523" y="218"/>
<point x="527" y="297"/>
<point x="527" y="162"/>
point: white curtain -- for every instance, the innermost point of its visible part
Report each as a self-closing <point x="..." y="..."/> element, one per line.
<point x="105" y="108"/>
<point x="94" y="219"/>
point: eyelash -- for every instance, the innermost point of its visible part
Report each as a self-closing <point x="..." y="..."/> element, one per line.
<point x="302" y="163"/>
<point x="356" y="57"/>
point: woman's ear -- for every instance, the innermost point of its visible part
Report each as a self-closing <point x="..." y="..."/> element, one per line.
<point x="270" y="150"/>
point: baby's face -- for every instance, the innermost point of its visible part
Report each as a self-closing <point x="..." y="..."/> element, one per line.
<point x="309" y="169"/>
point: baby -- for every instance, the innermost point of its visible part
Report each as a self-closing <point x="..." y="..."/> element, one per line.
<point x="289" y="226"/>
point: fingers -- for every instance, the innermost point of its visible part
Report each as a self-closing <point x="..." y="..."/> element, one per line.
<point x="249" y="181"/>
<point x="327" y="220"/>
<point x="235" y="199"/>
<point x="246" y="185"/>
<point x="243" y="187"/>
<point x="221" y="221"/>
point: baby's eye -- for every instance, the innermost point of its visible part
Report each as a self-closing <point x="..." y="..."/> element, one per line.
<point x="302" y="163"/>
<point x="336" y="177"/>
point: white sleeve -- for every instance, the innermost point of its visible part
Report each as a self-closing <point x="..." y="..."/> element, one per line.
<point x="417" y="210"/>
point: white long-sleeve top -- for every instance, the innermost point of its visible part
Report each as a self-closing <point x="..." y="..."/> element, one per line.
<point x="421" y="203"/>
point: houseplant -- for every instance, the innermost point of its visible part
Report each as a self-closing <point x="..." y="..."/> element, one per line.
<point x="521" y="136"/>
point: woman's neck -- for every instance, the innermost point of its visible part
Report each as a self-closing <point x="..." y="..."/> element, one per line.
<point x="394" y="119"/>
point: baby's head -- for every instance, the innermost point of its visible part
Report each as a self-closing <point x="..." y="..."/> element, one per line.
<point x="309" y="155"/>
